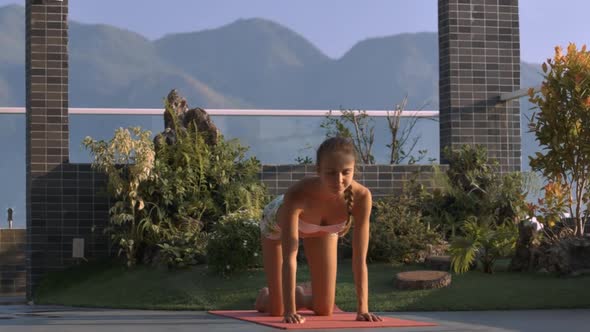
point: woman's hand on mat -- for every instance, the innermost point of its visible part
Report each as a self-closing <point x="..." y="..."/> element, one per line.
<point x="369" y="317"/>
<point x="293" y="318"/>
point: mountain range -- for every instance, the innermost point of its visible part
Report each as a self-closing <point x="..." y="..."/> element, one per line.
<point x="249" y="63"/>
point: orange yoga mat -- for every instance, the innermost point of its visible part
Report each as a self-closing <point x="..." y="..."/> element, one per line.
<point x="339" y="319"/>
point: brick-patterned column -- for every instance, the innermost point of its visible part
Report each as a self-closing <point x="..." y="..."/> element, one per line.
<point x="46" y="134"/>
<point x="479" y="57"/>
<point x="12" y="262"/>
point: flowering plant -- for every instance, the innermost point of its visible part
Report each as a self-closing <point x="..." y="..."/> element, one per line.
<point x="545" y="217"/>
<point x="234" y="243"/>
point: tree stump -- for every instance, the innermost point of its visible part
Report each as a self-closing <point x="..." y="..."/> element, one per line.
<point x="426" y="279"/>
<point x="440" y="263"/>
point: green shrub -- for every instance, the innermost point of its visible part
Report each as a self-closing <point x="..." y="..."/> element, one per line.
<point x="128" y="161"/>
<point x="509" y="198"/>
<point x="476" y="207"/>
<point x="165" y="199"/>
<point x="483" y="242"/>
<point x="184" y="246"/>
<point x="234" y="180"/>
<point x="473" y="188"/>
<point x="234" y="244"/>
<point x="397" y="233"/>
<point x="204" y="182"/>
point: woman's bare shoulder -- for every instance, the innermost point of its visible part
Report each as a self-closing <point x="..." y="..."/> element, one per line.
<point x="300" y="191"/>
<point x="362" y="196"/>
<point x="304" y="186"/>
<point x="359" y="190"/>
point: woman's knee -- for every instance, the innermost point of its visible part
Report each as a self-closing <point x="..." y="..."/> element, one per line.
<point x="324" y="311"/>
<point x="323" y="308"/>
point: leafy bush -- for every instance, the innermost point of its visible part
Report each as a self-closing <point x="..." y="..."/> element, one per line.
<point x="128" y="161"/>
<point x="182" y="247"/>
<point x="509" y="198"/>
<point x="477" y="208"/>
<point x="204" y="182"/>
<point x="398" y="234"/>
<point x="472" y="188"/>
<point x="550" y="212"/>
<point x="483" y="242"/>
<point x="167" y="199"/>
<point x="234" y="244"/>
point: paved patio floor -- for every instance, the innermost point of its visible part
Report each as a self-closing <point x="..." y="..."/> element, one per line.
<point x="21" y="318"/>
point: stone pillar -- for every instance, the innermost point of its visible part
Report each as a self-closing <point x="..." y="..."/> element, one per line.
<point x="46" y="134"/>
<point x="479" y="58"/>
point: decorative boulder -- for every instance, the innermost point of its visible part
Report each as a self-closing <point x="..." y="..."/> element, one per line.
<point x="569" y="255"/>
<point x="425" y="279"/>
<point x="563" y="253"/>
<point x="188" y="119"/>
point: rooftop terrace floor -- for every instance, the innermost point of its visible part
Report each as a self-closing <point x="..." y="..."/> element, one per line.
<point x="17" y="318"/>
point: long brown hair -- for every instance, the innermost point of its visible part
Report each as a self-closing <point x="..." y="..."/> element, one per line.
<point x="345" y="145"/>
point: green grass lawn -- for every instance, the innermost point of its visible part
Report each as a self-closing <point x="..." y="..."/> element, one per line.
<point x="106" y="285"/>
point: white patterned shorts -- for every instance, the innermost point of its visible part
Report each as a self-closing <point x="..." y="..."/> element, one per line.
<point x="269" y="226"/>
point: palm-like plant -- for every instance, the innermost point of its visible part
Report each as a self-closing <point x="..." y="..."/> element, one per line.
<point x="484" y="241"/>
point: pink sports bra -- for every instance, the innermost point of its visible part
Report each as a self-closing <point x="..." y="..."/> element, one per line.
<point x="307" y="228"/>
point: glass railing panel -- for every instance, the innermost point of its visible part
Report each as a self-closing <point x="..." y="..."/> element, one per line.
<point x="272" y="139"/>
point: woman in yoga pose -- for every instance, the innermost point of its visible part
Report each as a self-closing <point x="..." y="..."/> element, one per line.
<point x="318" y="209"/>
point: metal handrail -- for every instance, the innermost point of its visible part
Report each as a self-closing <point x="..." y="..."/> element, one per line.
<point x="225" y="112"/>
<point x="506" y="96"/>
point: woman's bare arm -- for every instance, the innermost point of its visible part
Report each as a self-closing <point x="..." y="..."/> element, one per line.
<point x="360" y="245"/>
<point x="288" y="219"/>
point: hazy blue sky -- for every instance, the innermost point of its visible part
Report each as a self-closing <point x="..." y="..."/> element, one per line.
<point x="332" y="25"/>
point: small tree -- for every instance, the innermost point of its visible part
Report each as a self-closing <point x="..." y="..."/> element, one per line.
<point x="562" y="126"/>
<point x="364" y="131"/>
<point x="358" y="126"/>
<point x="401" y="147"/>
